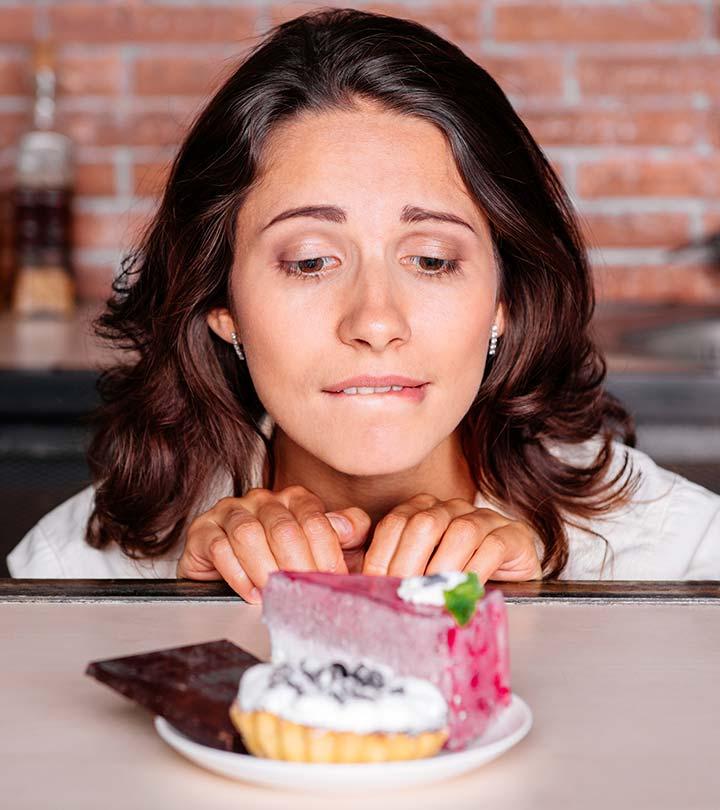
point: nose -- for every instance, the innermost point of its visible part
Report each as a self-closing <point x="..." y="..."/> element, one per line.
<point x="373" y="312"/>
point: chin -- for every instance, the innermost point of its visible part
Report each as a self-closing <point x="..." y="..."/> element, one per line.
<point x="363" y="459"/>
<point x="369" y="470"/>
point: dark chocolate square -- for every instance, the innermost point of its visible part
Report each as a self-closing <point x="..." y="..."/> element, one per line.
<point x="192" y="687"/>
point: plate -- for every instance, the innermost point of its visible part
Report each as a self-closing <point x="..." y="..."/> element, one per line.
<point x="508" y="728"/>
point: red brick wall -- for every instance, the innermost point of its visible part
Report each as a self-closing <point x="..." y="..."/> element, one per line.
<point x="623" y="96"/>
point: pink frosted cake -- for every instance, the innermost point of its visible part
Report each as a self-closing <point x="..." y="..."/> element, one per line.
<point x="403" y="625"/>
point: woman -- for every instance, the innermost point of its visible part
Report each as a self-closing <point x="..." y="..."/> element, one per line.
<point x="360" y="200"/>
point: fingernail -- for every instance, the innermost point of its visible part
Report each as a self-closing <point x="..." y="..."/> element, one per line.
<point x="340" y="523"/>
<point x="255" y="595"/>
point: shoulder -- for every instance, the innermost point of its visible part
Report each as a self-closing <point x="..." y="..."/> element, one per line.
<point x="669" y="528"/>
<point x="56" y="548"/>
<point x="45" y="548"/>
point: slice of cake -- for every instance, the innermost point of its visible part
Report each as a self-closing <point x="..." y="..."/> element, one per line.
<point x="404" y="625"/>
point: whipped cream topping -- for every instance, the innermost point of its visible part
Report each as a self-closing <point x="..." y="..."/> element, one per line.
<point x="336" y="697"/>
<point x="430" y="590"/>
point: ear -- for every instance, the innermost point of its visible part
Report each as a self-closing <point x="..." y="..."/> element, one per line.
<point x="221" y="322"/>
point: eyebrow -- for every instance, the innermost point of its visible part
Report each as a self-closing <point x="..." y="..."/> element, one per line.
<point x="332" y="213"/>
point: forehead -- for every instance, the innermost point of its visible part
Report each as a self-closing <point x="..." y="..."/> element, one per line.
<point x="365" y="158"/>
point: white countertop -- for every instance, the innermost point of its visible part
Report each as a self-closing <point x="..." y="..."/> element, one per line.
<point x="625" y="702"/>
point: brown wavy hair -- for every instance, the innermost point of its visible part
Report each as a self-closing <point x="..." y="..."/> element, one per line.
<point x="184" y="407"/>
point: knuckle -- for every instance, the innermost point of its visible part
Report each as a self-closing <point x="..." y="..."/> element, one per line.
<point x="295" y="490"/>
<point x="495" y="540"/>
<point x="315" y="524"/>
<point x="257" y="495"/>
<point x="424" y="498"/>
<point x="285" y="530"/>
<point x="424" y="522"/>
<point x="244" y="529"/>
<point x="218" y="546"/>
<point x="392" y="521"/>
<point x="226" y="504"/>
<point x="522" y="528"/>
<point x="464" y="526"/>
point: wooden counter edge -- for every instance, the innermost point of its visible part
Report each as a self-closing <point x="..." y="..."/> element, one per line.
<point x="159" y="590"/>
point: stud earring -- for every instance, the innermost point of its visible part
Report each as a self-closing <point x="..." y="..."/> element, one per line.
<point x="236" y="346"/>
<point x="493" y="339"/>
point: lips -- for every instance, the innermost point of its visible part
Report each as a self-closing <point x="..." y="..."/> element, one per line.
<point x="406" y="394"/>
<point x="366" y="381"/>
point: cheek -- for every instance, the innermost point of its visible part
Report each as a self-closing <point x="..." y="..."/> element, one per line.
<point x="283" y="344"/>
<point x="265" y="318"/>
<point x="459" y="336"/>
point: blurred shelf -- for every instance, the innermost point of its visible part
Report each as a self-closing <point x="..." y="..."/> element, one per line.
<point x="50" y="366"/>
<point x="47" y="344"/>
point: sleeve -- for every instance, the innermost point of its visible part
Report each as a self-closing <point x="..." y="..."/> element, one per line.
<point x="55" y="545"/>
<point x="34" y="557"/>
<point x="668" y="530"/>
<point x="693" y="520"/>
<point x="55" y="548"/>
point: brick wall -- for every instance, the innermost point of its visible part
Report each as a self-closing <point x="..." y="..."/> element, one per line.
<point x="623" y="96"/>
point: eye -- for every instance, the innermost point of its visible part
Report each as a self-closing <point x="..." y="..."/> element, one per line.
<point x="437" y="267"/>
<point x="305" y="268"/>
<point x="315" y="267"/>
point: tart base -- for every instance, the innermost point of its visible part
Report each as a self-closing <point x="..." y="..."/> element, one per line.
<point x="267" y="735"/>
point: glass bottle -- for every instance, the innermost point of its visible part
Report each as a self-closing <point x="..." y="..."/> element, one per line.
<point x="42" y="198"/>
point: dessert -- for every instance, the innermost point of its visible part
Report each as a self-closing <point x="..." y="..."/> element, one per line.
<point x="405" y="626"/>
<point x="326" y="712"/>
<point x="191" y="686"/>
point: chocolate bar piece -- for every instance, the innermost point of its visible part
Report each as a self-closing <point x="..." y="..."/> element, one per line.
<point x="191" y="687"/>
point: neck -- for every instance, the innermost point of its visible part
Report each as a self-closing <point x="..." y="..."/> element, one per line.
<point x="444" y="473"/>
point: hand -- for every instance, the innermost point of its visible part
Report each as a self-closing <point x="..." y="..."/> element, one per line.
<point x="241" y="540"/>
<point x="427" y="536"/>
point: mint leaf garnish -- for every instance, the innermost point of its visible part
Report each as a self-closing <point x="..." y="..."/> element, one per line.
<point x="462" y="599"/>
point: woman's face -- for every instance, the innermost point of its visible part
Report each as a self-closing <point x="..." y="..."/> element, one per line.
<point x="368" y="296"/>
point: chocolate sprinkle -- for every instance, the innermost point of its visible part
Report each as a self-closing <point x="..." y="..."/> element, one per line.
<point x="335" y="680"/>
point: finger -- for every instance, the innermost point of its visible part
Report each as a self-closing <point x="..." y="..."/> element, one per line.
<point x="195" y="561"/>
<point x="382" y="547"/>
<point x="463" y="537"/>
<point x="250" y="545"/>
<point x="288" y="543"/>
<point x="232" y="572"/>
<point x="423" y="532"/>
<point x="458" y="545"/>
<point x="507" y="553"/>
<point x="353" y="535"/>
<point x="323" y="540"/>
<point x="488" y="558"/>
<point x="521" y="560"/>
<point x="388" y="532"/>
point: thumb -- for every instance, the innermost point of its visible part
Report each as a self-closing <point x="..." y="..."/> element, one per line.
<point x="352" y="526"/>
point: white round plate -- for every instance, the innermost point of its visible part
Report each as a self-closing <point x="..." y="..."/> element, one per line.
<point x="504" y="731"/>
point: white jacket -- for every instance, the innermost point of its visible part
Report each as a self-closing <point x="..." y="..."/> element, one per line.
<point x="669" y="531"/>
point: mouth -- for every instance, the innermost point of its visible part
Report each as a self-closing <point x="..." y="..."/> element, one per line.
<point x="412" y="393"/>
